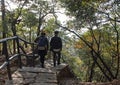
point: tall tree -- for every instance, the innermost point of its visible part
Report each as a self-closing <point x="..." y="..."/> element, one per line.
<point x="4" y="27"/>
<point x="43" y="9"/>
<point x="93" y="14"/>
<point x="29" y="20"/>
<point x="14" y="15"/>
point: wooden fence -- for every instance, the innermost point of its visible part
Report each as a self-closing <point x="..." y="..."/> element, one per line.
<point x="17" y="40"/>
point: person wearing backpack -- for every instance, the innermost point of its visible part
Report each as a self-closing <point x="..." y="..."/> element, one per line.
<point x="42" y="47"/>
<point x="56" y="48"/>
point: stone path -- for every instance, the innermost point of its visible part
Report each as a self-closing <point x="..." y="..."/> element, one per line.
<point x="36" y="75"/>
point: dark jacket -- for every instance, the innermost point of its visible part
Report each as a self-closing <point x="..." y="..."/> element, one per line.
<point x="55" y="43"/>
<point x="44" y="52"/>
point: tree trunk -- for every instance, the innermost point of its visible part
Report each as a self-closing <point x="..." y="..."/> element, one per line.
<point x="91" y="72"/>
<point x="39" y="24"/>
<point x="4" y="27"/>
<point x="13" y="28"/>
<point x="118" y="55"/>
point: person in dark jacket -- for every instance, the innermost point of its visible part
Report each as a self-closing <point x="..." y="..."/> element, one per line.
<point x="56" y="48"/>
<point x="42" y="50"/>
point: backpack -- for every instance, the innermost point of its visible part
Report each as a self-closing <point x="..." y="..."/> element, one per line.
<point x="56" y="44"/>
<point x="42" y="43"/>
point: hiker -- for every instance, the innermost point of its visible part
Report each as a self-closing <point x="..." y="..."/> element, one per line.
<point x="42" y="47"/>
<point x="56" y="48"/>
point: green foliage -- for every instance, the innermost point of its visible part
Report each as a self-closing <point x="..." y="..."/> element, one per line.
<point x="51" y="26"/>
<point x="100" y="18"/>
<point x="101" y="36"/>
<point x="83" y="10"/>
<point x="29" y="19"/>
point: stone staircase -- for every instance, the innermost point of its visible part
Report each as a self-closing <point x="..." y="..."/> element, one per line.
<point x="40" y="76"/>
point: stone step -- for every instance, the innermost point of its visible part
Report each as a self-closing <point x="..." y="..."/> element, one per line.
<point x="37" y="75"/>
<point x="35" y="70"/>
<point x="33" y="76"/>
<point x="32" y="83"/>
<point x="43" y="84"/>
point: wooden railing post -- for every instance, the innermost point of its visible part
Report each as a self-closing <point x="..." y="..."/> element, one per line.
<point x="18" y="50"/>
<point x="33" y="54"/>
<point x="7" y="60"/>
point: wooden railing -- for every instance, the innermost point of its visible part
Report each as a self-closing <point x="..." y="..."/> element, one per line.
<point x="18" y="54"/>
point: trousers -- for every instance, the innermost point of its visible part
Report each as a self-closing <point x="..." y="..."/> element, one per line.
<point x="42" y="54"/>
<point x="56" y="58"/>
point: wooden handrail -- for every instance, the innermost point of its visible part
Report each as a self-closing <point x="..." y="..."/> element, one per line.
<point x="27" y="41"/>
<point x="10" y="59"/>
<point x="18" y="55"/>
<point x="14" y="56"/>
<point x="6" y="39"/>
<point x="3" y="65"/>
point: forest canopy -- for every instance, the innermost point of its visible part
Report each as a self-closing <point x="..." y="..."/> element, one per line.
<point x="91" y="35"/>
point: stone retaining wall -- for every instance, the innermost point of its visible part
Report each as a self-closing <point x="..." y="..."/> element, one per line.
<point x="66" y="77"/>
